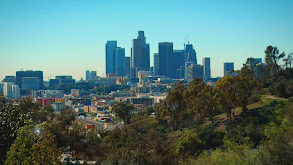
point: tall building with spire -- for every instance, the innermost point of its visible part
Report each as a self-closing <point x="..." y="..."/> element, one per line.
<point x="140" y="54"/>
<point x="190" y="54"/>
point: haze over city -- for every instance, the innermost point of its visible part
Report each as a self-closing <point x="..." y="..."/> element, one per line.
<point x="69" y="37"/>
<point x="162" y="82"/>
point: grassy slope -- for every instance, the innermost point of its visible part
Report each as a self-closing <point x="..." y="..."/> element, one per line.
<point x="221" y="119"/>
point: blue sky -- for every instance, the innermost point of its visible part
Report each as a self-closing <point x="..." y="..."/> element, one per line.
<point x="67" y="37"/>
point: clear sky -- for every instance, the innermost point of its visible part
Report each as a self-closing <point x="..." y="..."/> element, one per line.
<point x="67" y="37"/>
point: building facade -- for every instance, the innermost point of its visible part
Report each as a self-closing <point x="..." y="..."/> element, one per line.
<point x="110" y="56"/>
<point x="30" y="83"/>
<point x="93" y="75"/>
<point x="120" y="61"/>
<point x="206" y="68"/>
<point x="29" y="73"/>
<point x="188" y="76"/>
<point x="140" y="54"/>
<point x="127" y="66"/>
<point x="11" y="91"/>
<point x="156" y="63"/>
<point x="190" y="54"/>
<point x="198" y="71"/>
<point x="11" y="79"/>
<point x="87" y="75"/>
<point x="228" y="66"/>
<point x="178" y="59"/>
<point x="165" y="58"/>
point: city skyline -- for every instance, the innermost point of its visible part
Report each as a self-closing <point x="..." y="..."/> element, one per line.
<point x="57" y="40"/>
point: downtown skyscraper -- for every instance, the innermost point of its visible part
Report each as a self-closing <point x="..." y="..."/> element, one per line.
<point x="140" y="54"/>
<point x="206" y="68"/>
<point x="120" y="61"/>
<point x="190" y="54"/>
<point x="127" y="66"/>
<point x="190" y="59"/>
<point x="228" y="66"/>
<point x="165" y="59"/>
<point x="110" y="56"/>
<point x="156" y="64"/>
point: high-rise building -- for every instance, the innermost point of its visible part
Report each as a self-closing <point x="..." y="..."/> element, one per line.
<point x="1" y="87"/>
<point x="194" y="70"/>
<point x="140" y="54"/>
<point x="87" y="75"/>
<point x="30" y="83"/>
<point x="198" y="71"/>
<point x="110" y="56"/>
<point x="93" y="75"/>
<point x="180" y="73"/>
<point x="120" y="61"/>
<point x="10" y="79"/>
<point x="206" y="68"/>
<point x="11" y="91"/>
<point x="156" y="63"/>
<point x="7" y="90"/>
<point x="29" y="73"/>
<point x="176" y="61"/>
<point x="190" y="54"/>
<point x="188" y="76"/>
<point x="228" y="66"/>
<point x="165" y="59"/>
<point x="127" y="66"/>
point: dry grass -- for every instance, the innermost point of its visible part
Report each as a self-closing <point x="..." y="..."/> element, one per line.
<point x="221" y="119"/>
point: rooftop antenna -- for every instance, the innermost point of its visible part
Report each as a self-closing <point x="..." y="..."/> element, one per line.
<point x="188" y="38"/>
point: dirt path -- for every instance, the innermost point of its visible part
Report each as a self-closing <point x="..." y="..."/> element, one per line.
<point x="274" y="97"/>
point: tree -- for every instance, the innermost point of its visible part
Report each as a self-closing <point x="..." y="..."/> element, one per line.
<point x="244" y="85"/>
<point x="77" y="139"/>
<point x="30" y="148"/>
<point x="60" y="126"/>
<point x="176" y="106"/>
<point x="205" y="103"/>
<point x="278" y="148"/>
<point x="191" y="94"/>
<point x="10" y="121"/>
<point x="226" y="95"/>
<point x="123" y="111"/>
<point x="22" y="148"/>
<point x="93" y="147"/>
<point x="2" y="100"/>
<point x="288" y="60"/>
<point x="189" y="146"/>
<point x="26" y="105"/>
<point x="272" y="58"/>
<point x="137" y="143"/>
<point x="46" y="151"/>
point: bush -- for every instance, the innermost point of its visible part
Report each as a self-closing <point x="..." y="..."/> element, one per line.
<point x="290" y="99"/>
